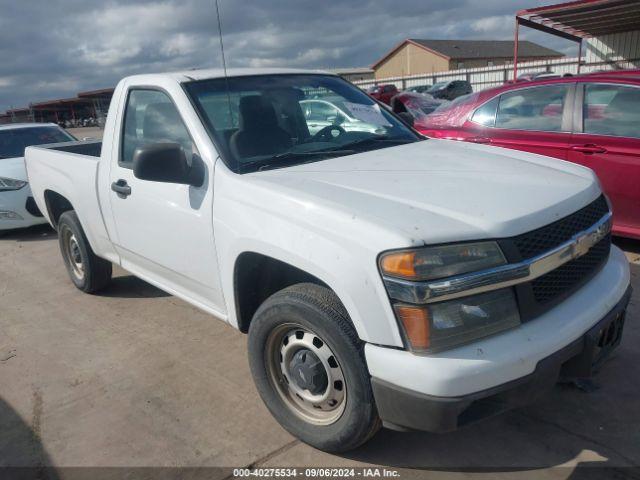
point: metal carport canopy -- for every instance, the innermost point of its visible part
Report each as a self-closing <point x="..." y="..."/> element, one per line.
<point x="584" y="18"/>
<point x="580" y="19"/>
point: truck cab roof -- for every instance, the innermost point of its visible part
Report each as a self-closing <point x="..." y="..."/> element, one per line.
<point x="211" y="73"/>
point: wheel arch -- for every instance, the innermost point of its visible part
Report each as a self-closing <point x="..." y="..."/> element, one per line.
<point x="257" y="276"/>
<point x="56" y="205"/>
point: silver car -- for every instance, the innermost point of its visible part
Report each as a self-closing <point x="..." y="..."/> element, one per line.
<point x="321" y="113"/>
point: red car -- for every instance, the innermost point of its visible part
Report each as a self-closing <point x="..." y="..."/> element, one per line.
<point x="593" y="120"/>
<point x="383" y="93"/>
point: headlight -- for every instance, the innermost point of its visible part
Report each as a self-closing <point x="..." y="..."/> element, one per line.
<point x="443" y="261"/>
<point x="11" y="184"/>
<point x="439" y="326"/>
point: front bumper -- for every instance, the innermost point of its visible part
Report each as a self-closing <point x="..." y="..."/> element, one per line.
<point x="24" y="210"/>
<point x="402" y="408"/>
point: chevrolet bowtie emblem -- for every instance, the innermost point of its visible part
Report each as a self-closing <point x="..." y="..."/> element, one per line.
<point x="583" y="242"/>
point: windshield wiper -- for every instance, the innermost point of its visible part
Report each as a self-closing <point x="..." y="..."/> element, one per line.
<point x="267" y="164"/>
<point x="379" y="139"/>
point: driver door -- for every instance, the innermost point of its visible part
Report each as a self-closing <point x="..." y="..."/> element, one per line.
<point x="164" y="230"/>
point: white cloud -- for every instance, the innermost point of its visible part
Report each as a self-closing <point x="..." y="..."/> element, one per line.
<point x="494" y="25"/>
<point x="111" y="54"/>
<point x="180" y="44"/>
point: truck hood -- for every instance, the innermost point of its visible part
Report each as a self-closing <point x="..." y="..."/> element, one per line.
<point x="439" y="191"/>
<point x="13" y="168"/>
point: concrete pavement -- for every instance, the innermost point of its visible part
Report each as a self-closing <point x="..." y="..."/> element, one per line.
<point x="135" y="377"/>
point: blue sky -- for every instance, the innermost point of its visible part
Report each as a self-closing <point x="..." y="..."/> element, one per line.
<point x="55" y="48"/>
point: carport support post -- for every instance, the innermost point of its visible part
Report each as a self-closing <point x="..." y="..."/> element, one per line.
<point x="579" y="56"/>
<point x="515" y="52"/>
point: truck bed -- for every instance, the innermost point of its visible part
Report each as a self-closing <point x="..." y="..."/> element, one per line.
<point x="70" y="170"/>
<point x="91" y="149"/>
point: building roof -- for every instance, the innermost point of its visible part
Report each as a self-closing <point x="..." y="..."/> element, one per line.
<point x="18" y="110"/>
<point x="103" y="92"/>
<point x="474" y="49"/>
<point x="584" y="18"/>
<point x="468" y="49"/>
<point x="60" y="103"/>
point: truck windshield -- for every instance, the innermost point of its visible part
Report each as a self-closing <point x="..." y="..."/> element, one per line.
<point x="13" y="141"/>
<point x="275" y="121"/>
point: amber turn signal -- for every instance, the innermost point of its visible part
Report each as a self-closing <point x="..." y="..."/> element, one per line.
<point x="399" y="264"/>
<point x="415" y="321"/>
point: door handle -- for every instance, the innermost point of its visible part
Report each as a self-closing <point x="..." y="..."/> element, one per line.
<point x="121" y="188"/>
<point x="483" y="140"/>
<point x="588" y="149"/>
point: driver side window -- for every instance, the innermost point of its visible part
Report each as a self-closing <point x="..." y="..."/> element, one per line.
<point x="151" y="117"/>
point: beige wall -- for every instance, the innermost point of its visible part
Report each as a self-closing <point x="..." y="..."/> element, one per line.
<point x="484" y="62"/>
<point x="411" y="60"/>
<point x="354" y="77"/>
<point x="476" y="63"/>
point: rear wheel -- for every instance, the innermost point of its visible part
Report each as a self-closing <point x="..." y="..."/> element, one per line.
<point x="308" y="365"/>
<point x="88" y="272"/>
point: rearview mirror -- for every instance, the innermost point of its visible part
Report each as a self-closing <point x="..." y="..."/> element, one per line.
<point x="167" y="163"/>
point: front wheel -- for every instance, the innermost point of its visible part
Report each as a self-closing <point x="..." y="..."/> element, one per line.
<point x="308" y="365"/>
<point x="88" y="272"/>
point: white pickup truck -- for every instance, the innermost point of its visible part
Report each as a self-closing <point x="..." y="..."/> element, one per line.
<point x="382" y="278"/>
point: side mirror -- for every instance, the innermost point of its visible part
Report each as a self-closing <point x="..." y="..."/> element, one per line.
<point x="407" y="118"/>
<point x="167" y="163"/>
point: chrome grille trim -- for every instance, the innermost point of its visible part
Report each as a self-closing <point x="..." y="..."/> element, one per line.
<point x="502" y="276"/>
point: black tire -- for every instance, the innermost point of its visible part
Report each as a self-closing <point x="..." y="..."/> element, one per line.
<point x="96" y="271"/>
<point x="318" y="311"/>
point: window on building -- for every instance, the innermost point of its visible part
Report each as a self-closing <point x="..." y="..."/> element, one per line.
<point x="460" y="65"/>
<point x="490" y="63"/>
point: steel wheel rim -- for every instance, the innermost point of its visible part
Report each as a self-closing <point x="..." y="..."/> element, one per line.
<point x="73" y="253"/>
<point x="323" y="408"/>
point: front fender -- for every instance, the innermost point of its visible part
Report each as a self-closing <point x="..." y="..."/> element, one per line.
<point x="342" y="258"/>
<point x="367" y="305"/>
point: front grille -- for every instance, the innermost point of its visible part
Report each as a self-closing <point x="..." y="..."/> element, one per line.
<point x="548" y="237"/>
<point x="541" y="294"/>
<point x="565" y="278"/>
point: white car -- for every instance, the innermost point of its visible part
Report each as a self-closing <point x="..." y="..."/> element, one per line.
<point x="381" y="278"/>
<point x="17" y="207"/>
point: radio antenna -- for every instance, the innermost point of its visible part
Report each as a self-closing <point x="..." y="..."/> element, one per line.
<point x="224" y="63"/>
